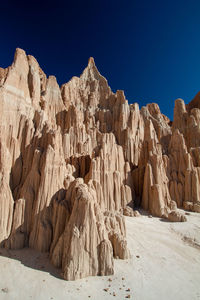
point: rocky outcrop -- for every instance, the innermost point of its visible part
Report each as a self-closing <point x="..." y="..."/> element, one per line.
<point x="75" y="158"/>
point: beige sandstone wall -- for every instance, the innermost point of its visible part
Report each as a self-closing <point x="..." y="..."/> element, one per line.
<point x="74" y="159"/>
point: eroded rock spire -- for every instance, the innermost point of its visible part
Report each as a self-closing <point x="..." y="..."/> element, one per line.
<point x="74" y="159"/>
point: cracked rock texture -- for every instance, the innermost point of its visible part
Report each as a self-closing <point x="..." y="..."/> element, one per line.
<point x="75" y="158"/>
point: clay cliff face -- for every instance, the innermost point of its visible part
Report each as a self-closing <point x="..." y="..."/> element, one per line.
<point x="74" y="159"/>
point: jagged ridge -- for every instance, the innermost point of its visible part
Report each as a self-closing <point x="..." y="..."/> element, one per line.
<point x="74" y="159"/>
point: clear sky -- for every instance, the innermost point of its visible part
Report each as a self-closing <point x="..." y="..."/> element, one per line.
<point x="150" y="49"/>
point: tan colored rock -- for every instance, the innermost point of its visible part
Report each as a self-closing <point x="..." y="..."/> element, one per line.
<point x="86" y="247"/>
<point x="129" y="212"/>
<point x="188" y="205"/>
<point x="176" y="216"/>
<point x="196" y="207"/>
<point x="74" y="159"/>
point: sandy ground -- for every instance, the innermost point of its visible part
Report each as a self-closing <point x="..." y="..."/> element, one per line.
<point x="165" y="264"/>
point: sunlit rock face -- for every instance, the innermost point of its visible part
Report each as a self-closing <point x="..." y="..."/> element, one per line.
<point x="74" y="158"/>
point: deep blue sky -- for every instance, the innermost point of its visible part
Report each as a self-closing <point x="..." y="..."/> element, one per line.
<point x="150" y="49"/>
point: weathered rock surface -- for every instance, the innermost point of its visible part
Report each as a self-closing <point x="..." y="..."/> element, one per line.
<point x="75" y="158"/>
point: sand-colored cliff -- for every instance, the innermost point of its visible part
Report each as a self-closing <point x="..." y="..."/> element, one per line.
<point x="75" y="158"/>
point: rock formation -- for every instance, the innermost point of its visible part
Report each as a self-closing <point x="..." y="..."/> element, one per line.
<point x="75" y="158"/>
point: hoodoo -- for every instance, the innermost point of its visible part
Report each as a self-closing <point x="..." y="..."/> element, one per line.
<point x="75" y="158"/>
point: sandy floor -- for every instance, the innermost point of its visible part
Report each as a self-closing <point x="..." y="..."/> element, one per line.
<point x="165" y="264"/>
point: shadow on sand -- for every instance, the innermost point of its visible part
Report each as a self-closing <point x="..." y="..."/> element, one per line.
<point x="32" y="259"/>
